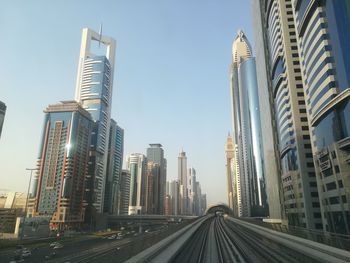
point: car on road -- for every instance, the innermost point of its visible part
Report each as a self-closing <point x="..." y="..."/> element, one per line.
<point x="53" y="244"/>
<point x="112" y="237"/>
<point x="119" y="237"/>
<point x="58" y="246"/>
<point x="26" y="253"/>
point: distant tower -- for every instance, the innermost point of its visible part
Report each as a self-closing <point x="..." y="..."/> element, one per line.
<point x="94" y="92"/>
<point x="229" y="153"/>
<point x="2" y="115"/>
<point x="247" y="128"/>
<point x="123" y="198"/>
<point x="174" y="194"/>
<point x="191" y="190"/>
<point x="155" y="154"/>
<point x="137" y="166"/>
<point x="182" y="177"/>
<point x="114" y="168"/>
<point x="57" y="189"/>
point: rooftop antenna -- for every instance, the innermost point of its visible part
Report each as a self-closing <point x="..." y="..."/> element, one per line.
<point x="100" y="33"/>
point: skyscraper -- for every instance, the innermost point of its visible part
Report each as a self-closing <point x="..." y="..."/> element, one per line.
<point x="94" y="93"/>
<point x="174" y="195"/>
<point x="203" y="206"/>
<point x="229" y="152"/>
<point x="233" y="177"/>
<point x="236" y="183"/>
<point x="114" y="168"/>
<point x="268" y="119"/>
<point x="57" y="189"/>
<point x="137" y="166"/>
<point x="323" y="37"/>
<point x="182" y="178"/>
<point x="298" y="181"/>
<point x="192" y="190"/>
<point x="152" y="188"/>
<point x="155" y="154"/>
<point x="124" y="193"/>
<point x="2" y="115"/>
<point x="247" y="128"/>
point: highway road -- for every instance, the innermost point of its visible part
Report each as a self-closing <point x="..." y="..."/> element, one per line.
<point x="96" y="249"/>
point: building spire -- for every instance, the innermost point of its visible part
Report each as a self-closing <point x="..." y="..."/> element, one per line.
<point x="100" y="35"/>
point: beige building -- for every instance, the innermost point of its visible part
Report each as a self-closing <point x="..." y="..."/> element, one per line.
<point x="323" y="36"/>
<point x="298" y="179"/>
<point x="12" y="205"/>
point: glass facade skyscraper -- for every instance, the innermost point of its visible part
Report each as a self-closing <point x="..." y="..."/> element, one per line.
<point x="247" y="128"/>
<point x="268" y="118"/>
<point x="94" y="93"/>
<point x="57" y="189"/>
<point x="323" y="33"/>
<point x="114" y="168"/>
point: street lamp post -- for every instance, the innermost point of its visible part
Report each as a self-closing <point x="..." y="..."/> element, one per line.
<point x="26" y="207"/>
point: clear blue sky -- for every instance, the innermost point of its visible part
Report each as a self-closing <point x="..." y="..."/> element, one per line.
<point x="171" y="82"/>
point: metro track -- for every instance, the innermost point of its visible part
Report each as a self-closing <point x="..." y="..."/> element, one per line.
<point x="233" y="243"/>
<point x="215" y="238"/>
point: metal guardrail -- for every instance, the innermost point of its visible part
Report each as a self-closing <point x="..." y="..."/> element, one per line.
<point x="326" y="238"/>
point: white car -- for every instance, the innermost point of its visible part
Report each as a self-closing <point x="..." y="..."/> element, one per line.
<point x="112" y="237"/>
<point x="58" y="246"/>
<point x="26" y="253"/>
<point x="53" y="244"/>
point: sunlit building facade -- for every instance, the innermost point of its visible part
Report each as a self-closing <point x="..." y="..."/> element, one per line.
<point x="268" y="118"/>
<point x="298" y="179"/>
<point x="57" y="189"/>
<point x="137" y="166"/>
<point x="323" y="34"/>
<point x="94" y="93"/>
<point x="229" y="153"/>
<point x="247" y="128"/>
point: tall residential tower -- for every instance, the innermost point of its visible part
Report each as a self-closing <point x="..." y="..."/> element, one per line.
<point x="94" y="92"/>
<point x="58" y="187"/>
<point x="323" y="37"/>
<point x="298" y="179"/>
